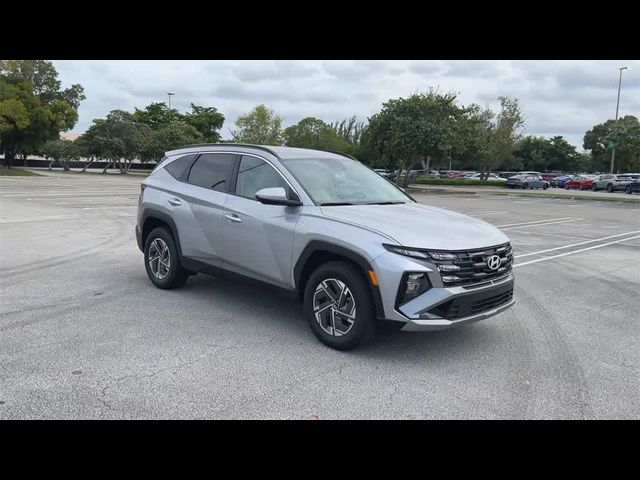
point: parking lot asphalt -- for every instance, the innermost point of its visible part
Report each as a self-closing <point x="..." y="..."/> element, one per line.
<point x="84" y="334"/>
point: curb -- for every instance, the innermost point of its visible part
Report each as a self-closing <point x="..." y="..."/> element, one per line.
<point x="449" y="191"/>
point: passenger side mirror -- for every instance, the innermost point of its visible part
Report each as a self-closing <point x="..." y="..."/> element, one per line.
<point x="276" y="196"/>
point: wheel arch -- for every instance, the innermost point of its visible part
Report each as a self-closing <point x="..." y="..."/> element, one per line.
<point x="318" y="252"/>
<point x="152" y="218"/>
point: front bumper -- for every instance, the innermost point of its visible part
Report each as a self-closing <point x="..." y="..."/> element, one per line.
<point x="440" y="307"/>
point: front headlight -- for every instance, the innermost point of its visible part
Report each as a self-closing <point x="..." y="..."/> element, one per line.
<point x="407" y="252"/>
<point x="421" y="254"/>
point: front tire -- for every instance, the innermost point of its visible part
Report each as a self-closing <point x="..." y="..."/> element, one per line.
<point x="338" y="306"/>
<point x="161" y="260"/>
<point x="610" y="188"/>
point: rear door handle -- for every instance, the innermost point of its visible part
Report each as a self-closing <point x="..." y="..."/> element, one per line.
<point x="175" y="201"/>
<point x="233" y="218"/>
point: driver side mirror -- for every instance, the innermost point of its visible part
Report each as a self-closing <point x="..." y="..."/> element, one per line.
<point x="276" y="196"/>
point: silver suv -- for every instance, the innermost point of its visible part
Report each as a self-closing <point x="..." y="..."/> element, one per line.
<point x="357" y="251"/>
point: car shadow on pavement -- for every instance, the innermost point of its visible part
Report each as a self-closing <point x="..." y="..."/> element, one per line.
<point x="283" y="315"/>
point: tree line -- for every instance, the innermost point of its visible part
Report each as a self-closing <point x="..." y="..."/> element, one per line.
<point x="426" y="130"/>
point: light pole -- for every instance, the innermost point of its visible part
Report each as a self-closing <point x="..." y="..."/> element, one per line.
<point x="171" y="93"/>
<point x="613" y="151"/>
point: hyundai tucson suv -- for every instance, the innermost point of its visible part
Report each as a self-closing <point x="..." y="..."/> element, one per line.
<point x="356" y="250"/>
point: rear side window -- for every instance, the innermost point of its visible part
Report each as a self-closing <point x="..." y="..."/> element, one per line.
<point x="212" y="170"/>
<point x="179" y="169"/>
<point x="255" y="174"/>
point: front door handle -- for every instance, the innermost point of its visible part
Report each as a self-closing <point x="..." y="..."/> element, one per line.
<point x="175" y="201"/>
<point x="233" y="218"/>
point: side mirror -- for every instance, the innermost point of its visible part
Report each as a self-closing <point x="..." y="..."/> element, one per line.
<point x="276" y="196"/>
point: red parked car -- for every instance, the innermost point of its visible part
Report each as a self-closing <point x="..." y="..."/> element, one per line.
<point x="581" y="182"/>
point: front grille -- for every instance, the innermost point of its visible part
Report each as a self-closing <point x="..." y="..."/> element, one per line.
<point x="469" y="267"/>
<point x="491" y="302"/>
<point x="465" y="306"/>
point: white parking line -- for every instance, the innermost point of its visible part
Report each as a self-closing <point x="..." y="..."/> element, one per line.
<point x="576" y="244"/>
<point x="532" y="222"/>
<point x="543" y="224"/>
<point x="487" y="213"/>
<point x="574" y="252"/>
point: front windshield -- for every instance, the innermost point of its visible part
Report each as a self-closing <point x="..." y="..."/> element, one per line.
<point x="342" y="181"/>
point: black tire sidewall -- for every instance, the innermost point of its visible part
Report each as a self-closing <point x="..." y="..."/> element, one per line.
<point x="176" y="276"/>
<point x="365" y="314"/>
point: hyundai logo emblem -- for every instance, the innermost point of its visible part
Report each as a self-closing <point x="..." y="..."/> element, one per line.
<point x="493" y="262"/>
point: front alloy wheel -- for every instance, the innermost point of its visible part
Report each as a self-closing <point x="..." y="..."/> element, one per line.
<point x="338" y="304"/>
<point x="334" y="307"/>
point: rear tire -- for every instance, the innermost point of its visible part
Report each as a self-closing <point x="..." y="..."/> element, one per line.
<point x="594" y="188"/>
<point x="161" y="260"/>
<point x="628" y="190"/>
<point x="338" y="306"/>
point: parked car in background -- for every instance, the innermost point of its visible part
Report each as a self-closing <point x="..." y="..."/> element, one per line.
<point x="559" y="182"/>
<point x="506" y="175"/>
<point x="611" y="182"/>
<point x="424" y="174"/>
<point x="634" y="186"/>
<point x="527" y="181"/>
<point x="388" y="174"/>
<point x="492" y="176"/>
<point x="580" y="182"/>
<point x="550" y="176"/>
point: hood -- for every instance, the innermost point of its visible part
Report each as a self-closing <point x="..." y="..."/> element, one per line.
<point x="421" y="226"/>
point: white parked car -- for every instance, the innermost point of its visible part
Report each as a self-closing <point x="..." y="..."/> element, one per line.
<point x="492" y="176"/>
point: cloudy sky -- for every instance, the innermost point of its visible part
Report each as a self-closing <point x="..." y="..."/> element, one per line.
<point x="558" y="97"/>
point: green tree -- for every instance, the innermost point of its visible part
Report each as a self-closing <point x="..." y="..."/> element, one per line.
<point x="207" y="121"/>
<point x="624" y="134"/>
<point x="414" y="129"/>
<point x="261" y="127"/>
<point x="61" y="151"/>
<point x="119" y="139"/>
<point x="498" y="135"/>
<point x="156" y="115"/>
<point x="313" y="133"/>
<point x="33" y="107"/>
<point x="168" y="137"/>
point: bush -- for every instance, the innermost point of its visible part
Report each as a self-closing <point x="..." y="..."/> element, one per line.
<point x="455" y="181"/>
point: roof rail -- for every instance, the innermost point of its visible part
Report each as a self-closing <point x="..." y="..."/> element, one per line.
<point x="260" y="147"/>
<point x="341" y="153"/>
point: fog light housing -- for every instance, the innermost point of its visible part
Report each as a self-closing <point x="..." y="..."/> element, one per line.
<point x="413" y="284"/>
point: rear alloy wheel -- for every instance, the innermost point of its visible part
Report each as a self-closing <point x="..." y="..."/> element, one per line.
<point x="161" y="260"/>
<point x="610" y="188"/>
<point x="338" y="306"/>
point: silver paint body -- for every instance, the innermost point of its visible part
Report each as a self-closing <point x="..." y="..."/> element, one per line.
<point x="265" y="241"/>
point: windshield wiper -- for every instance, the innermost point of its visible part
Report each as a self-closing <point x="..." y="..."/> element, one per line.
<point x="334" y="204"/>
<point x="384" y="203"/>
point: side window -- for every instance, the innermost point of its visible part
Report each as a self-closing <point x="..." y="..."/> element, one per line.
<point x="212" y="170"/>
<point x="179" y="169"/>
<point x="255" y="174"/>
